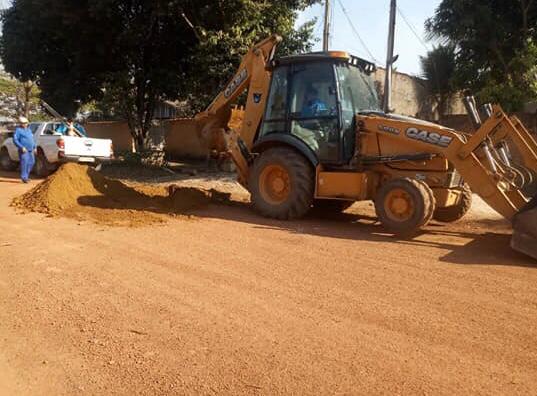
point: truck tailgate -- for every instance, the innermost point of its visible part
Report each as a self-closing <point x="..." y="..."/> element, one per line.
<point x="86" y="147"/>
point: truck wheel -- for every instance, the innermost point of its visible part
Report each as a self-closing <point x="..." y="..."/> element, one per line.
<point x="6" y="162"/>
<point x="450" y="214"/>
<point x="331" y="205"/>
<point x="42" y="166"/>
<point x="282" y="184"/>
<point x="404" y="205"/>
<point x="432" y="198"/>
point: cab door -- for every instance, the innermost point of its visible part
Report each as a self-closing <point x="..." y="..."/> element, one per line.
<point x="313" y="109"/>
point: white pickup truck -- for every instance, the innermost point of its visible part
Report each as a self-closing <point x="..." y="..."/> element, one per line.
<point x="54" y="148"/>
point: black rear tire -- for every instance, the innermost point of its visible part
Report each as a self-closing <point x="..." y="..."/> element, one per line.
<point x="282" y="184"/>
<point x="42" y="166"/>
<point x="6" y="162"/>
<point x="432" y="206"/>
<point x="404" y="205"/>
<point x="451" y="214"/>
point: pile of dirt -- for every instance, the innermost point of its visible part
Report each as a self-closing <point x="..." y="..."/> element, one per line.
<point x="81" y="192"/>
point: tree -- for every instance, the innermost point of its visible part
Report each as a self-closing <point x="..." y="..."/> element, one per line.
<point x="76" y="51"/>
<point x="24" y="97"/>
<point x="438" y="69"/>
<point x="41" y="41"/>
<point x="495" y="47"/>
<point x="225" y="36"/>
<point x="137" y="52"/>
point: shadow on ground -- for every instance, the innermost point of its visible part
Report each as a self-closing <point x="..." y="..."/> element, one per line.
<point x="483" y="248"/>
<point x="486" y="248"/>
<point x="10" y="177"/>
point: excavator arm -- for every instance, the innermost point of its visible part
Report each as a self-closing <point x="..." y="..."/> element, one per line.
<point x="252" y="76"/>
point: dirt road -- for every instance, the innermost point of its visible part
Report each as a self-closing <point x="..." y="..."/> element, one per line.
<point x="231" y="303"/>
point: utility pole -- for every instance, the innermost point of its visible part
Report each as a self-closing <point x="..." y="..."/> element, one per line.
<point x="327" y="25"/>
<point x="390" y="59"/>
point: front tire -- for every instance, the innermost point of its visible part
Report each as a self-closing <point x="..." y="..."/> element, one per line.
<point x="451" y="214"/>
<point x="404" y="205"/>
<point x="282" y="184"/>
<point x="6" y="162"/>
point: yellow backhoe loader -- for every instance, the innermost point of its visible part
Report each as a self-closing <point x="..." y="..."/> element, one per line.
<point x="313" y="135"/>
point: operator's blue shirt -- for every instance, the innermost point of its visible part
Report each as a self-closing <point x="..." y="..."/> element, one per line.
<point x="24" y="137"/>
<point x="313" y="108"/>
<point x="63" y="129"/>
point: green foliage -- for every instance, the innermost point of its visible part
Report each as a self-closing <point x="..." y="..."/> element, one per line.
<point x="439" y="70"/>
<point x="517" y="90"/>
<point x="225" y="36"/>
<point x="495" y="50"/>
<point x="9" y="87"/>
<point x="42" y="41"/>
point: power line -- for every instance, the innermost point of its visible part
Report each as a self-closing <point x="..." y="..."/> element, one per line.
<point x="362" y="42"/>
<point x="412" y="29"/>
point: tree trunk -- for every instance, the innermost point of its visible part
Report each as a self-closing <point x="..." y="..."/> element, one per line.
<point x="140" y="119"/>
<point x="28" y="85"/>
<point x="525" y="5"/>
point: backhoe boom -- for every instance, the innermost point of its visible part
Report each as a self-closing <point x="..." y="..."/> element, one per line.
<point x="252" y="76"/>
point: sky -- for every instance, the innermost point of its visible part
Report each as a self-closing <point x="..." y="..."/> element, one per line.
<point x="370" y="18"/>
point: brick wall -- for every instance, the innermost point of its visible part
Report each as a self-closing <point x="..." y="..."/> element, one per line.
<point x="409" y="96"/>
<point x="118" y="131"/>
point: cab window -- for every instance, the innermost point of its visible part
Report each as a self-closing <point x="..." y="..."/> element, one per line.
<point x="33" y="127"/>
<point x="357" y="93"/>
<point x="313" y="108"/>
<point x="49" y="129"/>
<point x="276" y="112"/>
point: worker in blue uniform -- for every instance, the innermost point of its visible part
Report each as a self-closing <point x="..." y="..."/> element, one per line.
<point x="24" y="140"/>
<point x="313" y="105"/>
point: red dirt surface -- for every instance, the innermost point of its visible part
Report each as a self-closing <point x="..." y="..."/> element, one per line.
<point x="236" y="304"/>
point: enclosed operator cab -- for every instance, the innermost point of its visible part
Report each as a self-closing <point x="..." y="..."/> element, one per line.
<point x="313" y="102"/>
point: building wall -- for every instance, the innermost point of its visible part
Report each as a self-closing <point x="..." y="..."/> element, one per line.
<point x="180" y="138"/>
<point x="118" y="131"/>
<point x="183" y="139"/>
<point x="409" y="96"/>
<point x="408" y="93"/>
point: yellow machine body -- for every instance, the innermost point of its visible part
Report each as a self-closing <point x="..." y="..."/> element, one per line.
<point x="413" y="170"/>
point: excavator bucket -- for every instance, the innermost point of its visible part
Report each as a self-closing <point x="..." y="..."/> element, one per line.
<point x="525" y="230"/>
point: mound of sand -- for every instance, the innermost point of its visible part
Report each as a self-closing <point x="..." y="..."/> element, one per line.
<point x="81" y="192"/>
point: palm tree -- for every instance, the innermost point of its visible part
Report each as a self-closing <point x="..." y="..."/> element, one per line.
<point x="438" y="68"/>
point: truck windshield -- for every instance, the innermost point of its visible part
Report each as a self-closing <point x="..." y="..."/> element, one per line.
<point x="357" y="90"/>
